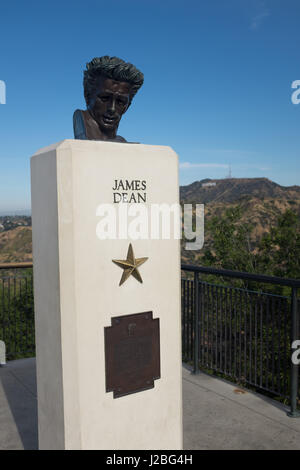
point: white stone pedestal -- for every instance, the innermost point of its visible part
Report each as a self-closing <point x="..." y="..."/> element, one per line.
<point x="77" y="293"/>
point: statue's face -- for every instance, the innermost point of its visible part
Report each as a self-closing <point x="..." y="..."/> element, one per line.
<point x="109" y="104"/>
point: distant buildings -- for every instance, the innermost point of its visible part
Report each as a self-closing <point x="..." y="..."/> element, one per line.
<point x="11" y="222"/>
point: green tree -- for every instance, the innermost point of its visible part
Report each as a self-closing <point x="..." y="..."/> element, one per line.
<point x="276" y="254"/>
<point x="279" y="250"/>
<point x="232" y="247"/>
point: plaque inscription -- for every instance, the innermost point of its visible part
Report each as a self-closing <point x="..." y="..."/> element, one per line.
<point x="132" y="353"/>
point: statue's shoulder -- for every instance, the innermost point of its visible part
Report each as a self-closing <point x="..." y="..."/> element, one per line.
<point x="119" y="138"/>
<point x="79" y="125"/>
<point x="85" y="126"/>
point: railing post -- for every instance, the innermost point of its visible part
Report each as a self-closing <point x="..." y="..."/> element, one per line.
<point x="196" y="324"/>
<point x="294" y="413"/>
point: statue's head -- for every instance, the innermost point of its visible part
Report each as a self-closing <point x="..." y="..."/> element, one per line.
<point x="109" y="87"/>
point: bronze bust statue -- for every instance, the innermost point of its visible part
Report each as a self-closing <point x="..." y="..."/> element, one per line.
<point x="109" y="86"/>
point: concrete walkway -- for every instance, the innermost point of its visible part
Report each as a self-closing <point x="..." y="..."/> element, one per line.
<point x="216" y="415"/>
<point x="18" y="405"/>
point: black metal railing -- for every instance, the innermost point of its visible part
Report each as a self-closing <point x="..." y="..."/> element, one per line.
<point x="241" y="333"/>
<point x="16" y="310"/>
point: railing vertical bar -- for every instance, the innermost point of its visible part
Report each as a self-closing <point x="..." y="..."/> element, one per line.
<point x="278" y="314"/>
<point x="3" y="311"/>
<point x="216" y="326"/>
<point x="192" y="317"/>
<point x="261" y="342"/>
<point x="245" y="333"/>
<point x="226" y="342"/>
<point x="216" y="330"/>
<point x="255" y="341"/>
<point x="8" y="346"/>
<point x="235" y="335"/>
<point x="294" y="367"/>
<point x="221" y="328"/>
<point x="210" y="329"/>
<point x="285" y="348"/>
<point x="191" y="321"/>
<point x="182" y="319"/>
<point x="202" y="322"/>
<point x="182" y="324"/>
<point x="186" y="306"/>
<point x="240" y="334"/>
<point x="267" y="343"/>
<point x="15" y="314"/>
<point x="212" y="290"/>
<point x="26" y="333"/>
<point x="22" y="322"/>
<point x="273" y="343"/>
<point x="187" y="319"/>
<point x="33" y="313"/>
<point x="207" y="325"/>
<point x="196" y="345"/>
<point x="250" y="337"/>
<point x="188" y="316"/>
<point x="230" y="332"/>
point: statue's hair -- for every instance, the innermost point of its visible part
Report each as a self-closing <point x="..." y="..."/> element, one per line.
<point x="114" y="68"/>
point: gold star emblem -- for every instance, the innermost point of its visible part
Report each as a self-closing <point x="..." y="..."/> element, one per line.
<point x="130" y="266"/>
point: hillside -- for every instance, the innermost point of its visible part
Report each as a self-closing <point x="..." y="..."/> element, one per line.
<point x="231" y="190"/>
<point x="261" y="200"/>
<point x="16" y="245"/>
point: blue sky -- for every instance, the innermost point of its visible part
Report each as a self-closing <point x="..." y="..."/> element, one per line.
<point x="217" y="88"/>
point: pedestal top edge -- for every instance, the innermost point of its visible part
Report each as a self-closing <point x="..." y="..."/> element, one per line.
<point x="75" y="143"/>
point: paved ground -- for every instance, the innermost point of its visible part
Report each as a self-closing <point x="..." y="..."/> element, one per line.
<point x="18" y="405"/>
<point x="215" y="416"/>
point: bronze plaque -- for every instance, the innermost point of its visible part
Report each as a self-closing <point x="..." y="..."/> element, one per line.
<point x="132" y="353"/>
